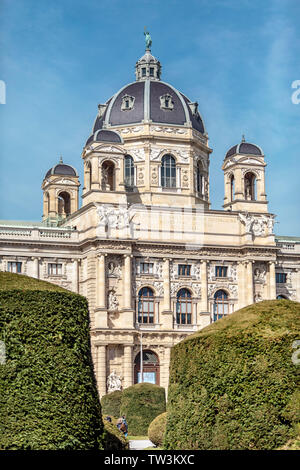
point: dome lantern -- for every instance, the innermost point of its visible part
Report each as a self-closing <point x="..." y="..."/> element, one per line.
<point x="148" y="67"/>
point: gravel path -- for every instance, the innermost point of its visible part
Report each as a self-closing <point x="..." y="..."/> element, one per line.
<point x="140" y="445"/>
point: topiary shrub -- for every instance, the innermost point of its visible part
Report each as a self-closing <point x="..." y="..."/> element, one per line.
<point x="141" y="403"/>
<point x="157" y="428"/>
<point x="233" y="384"/>
<point x="111" y="404"/>
<point x="113" y="438"/>
<point x="48" y="394"/>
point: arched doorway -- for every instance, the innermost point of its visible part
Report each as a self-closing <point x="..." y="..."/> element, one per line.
<point x="108" y="176"/>
<point x="150" y="368"/>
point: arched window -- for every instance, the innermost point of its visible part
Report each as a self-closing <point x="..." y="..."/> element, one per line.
<point x="150" y="367"/>
<point x="250" y="186"/>
<point x="232" y="188"/>
<point x="46" y="204"/>
<point x="184" y="307"/>
<point x="200" y="179"/>
<point x="108" y="176"/>
<point x="146" y="305"/>
<point x="281" y="297"/>
<point x="128" y="171"/>
<point x="221" y="304"/>
<point x="64" y="204"/>
<point x="168" y="171"/>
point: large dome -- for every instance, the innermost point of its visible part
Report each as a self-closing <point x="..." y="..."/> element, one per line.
<point x="148" y="100"/>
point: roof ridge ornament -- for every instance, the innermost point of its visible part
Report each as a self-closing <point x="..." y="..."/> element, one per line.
<point x="61" y="160"/>
<point x="243" y="138"/>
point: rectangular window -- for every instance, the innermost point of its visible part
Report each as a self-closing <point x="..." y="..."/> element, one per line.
<point x="221" y="271"/>
<point x="184" y="270"/>
<point x="143" y="72"/>
<point x="151" y="71"/>
<point x="14" y="267"/>
<point x="281" y="278"/>
<point x="54" y="269"/>
<point x="146" y="268"/>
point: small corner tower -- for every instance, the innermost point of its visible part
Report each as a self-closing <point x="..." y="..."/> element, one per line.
<point x="244" y="178"/>
<point x="60" y="193"/>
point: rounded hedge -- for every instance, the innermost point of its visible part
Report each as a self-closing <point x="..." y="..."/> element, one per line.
<point x="113" y="438"/>
<point x="157" y="428"/>
<point x="111" y="404"/>
<point x="141" y="403"/>
<point x="48" y="394"/>
<point x="233" y="385"/>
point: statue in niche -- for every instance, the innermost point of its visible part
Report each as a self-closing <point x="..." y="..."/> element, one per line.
<point x="114" y="382"/>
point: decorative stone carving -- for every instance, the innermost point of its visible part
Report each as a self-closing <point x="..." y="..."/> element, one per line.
<point x="197" y="289"/>
<point x="112" y="300"/>
<point x="258" y="297"/>
<point x="114" y="382"/>
<point x="129" y="130"/>
<point x="158" y="268"/>
<point x="159" y="288"/>
<point x="114" y="217"/>
<point x="197" y="270"/>
<point x="169" y="130"/>
<point x="114" y="266"/>
<point x="257" y="226"/>
<point x="137" y="154"/>
<point x="64" y="181"/>
<point x="260" y="273"/>
<point x="183" y="155"/>
<point x="140" y="177"/>
<point x="185" y="178"/>
<point x="233" y="289"/>
<point x="154" y="175"/>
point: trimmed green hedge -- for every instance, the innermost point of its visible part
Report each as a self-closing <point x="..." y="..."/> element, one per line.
<point x="113" y="438"/>
<point x="141" y="403"/>
<point x="157" y="429"/>
<point x="233" y="385"/>
<point x="48" y="395"/>
<point x="111" y="404"/>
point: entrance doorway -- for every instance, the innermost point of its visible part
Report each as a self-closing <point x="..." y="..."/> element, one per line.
<point x="150" y="368"/>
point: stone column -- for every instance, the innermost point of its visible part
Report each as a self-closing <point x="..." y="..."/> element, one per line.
<point x="249" y="283"/>
<point x="101" y="282"/>
<point x="272" y="281"/>
<point x="128" y="366"/>
<point x="204" y="297"/>
<point x="242" y="291"/>
<point x="166" y="278"/>
<point x="76" y="276"/>
<point x="101" y="369"/>
<point x="127" y="282"/>
<point x="239" y="184"/>
<point x="164" y="369"/>
<point x="36" y="267"/>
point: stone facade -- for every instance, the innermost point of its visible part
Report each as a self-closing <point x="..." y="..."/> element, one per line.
<point x="155" y="262"/>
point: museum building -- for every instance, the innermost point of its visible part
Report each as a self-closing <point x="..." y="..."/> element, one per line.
<point x="155" y="262"/>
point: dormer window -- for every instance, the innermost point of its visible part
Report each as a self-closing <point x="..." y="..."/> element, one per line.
<point x="127" y="103"/>
<point x="194" y="108"/>
<point x="166" y="102"/>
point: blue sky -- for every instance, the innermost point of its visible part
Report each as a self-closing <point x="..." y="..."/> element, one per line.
<point x="237" y="58"/>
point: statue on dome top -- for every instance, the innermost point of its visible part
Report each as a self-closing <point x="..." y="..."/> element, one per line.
<point x="148" y="39"/>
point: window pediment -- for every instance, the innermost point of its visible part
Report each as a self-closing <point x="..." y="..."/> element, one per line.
<point x="166" y="102"/>
<point x="127" y="103"/>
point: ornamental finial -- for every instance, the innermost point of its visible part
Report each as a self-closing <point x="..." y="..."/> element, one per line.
<point x="148" y="39"/>
<point x="60" y="160"/>
<point x="243" y="138"/>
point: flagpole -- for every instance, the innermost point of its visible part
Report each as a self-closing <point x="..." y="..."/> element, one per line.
<point x="141" y="359"/>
